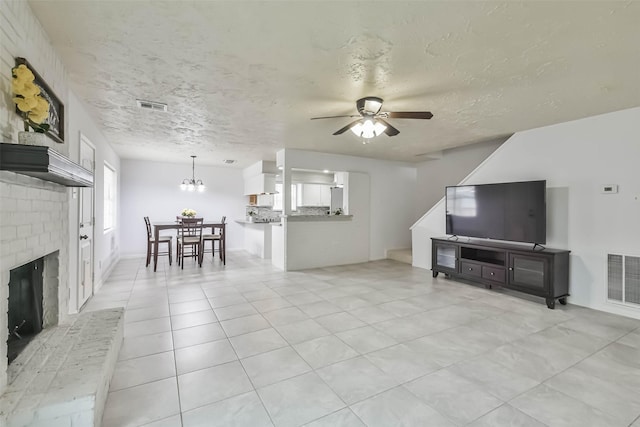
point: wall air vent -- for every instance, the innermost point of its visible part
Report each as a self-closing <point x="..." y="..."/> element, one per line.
<point x="150" y="105"/>
<point x="228" y="162"/>
<point x="623" y="279"/>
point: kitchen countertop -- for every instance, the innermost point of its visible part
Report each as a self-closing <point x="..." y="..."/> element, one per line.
<point x="244" y="221"/>
<point x="328" y="218"/>
<point x="302" y="218"/>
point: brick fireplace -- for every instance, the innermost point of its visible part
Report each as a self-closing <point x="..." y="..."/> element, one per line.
<point x="33" y="301"/>
<point x="62" y="376"/>
<point x="34" y="218"/>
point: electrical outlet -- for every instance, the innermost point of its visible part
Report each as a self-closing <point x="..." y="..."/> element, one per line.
<point x="609" y="189"/>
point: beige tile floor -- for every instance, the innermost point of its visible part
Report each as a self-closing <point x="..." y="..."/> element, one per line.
<point x="375" y="344"/>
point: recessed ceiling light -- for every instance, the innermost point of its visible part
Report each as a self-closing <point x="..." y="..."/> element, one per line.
<point x="280" y="167"/>
<point x="325" y="171"/>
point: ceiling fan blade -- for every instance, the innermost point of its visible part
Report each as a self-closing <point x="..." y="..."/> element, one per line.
<point x="409" y="114"/>
<point x="332" y="117"/>
<point x="390" y="130"/>
<point x="346" y="128"/>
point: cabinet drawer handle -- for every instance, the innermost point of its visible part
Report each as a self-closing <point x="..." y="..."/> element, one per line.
<point x="470" y="269"/>
<point x="492" y="273"/>
<point x="510" y="268"/>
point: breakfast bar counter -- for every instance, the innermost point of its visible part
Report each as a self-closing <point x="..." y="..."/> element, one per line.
<point x="257" y="237"/>
<point x="317" y="218"/>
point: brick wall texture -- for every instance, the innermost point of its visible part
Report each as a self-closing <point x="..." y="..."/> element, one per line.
<point x="34" y="214"/>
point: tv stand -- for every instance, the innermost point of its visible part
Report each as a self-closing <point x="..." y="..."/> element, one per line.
<point x="542" y="272"/>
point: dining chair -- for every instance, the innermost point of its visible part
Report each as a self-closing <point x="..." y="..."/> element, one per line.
<point x="217" y="235"/>
<point x="151" y="241"/>
<point x="190" y="238"/>
<point x="178" y="221"/>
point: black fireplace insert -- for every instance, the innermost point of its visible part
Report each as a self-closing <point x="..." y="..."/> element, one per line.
<point x="25" y="306"/>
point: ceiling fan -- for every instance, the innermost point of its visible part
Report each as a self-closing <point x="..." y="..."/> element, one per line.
<point x="371" y="121"/>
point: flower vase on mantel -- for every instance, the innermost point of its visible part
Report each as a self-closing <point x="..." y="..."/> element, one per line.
<point x="32" y="138"/>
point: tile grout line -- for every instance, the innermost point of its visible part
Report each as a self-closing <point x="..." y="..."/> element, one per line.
<point x="173" y="349"/>
<point x="255" y="390"/>
<point x="336" y="278"/>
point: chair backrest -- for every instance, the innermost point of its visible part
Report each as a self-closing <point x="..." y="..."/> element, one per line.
<point x="148" y="224"/>
<point x="191" y="227"/>
<point x="219" y="229"/>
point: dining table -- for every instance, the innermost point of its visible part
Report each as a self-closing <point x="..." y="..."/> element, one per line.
<point x="175" y="225"/>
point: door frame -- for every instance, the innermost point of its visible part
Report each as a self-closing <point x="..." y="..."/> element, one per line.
<point x="85" y="140"/>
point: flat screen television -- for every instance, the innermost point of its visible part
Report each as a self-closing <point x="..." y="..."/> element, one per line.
<point x="514" y="211"/>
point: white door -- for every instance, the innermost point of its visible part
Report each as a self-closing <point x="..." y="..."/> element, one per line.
<point x="86" y="219"/>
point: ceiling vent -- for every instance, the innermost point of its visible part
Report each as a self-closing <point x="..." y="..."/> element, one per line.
<point x="150" y="105"/>
<point x="228" y="162"/>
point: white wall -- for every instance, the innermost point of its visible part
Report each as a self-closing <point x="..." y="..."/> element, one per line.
<point x="316" y="244"/>
<point x="454" y="164"/>
<point x="391" y="194"/>
<point x="153" y="189"/>
<point x="576" y="158"/>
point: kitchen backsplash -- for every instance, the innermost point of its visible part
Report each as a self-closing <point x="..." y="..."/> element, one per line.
<point x="265" y="213"/>
<point x="312" y="210"/>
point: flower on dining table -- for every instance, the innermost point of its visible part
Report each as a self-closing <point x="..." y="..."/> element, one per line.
<point x="190" y="213"/>
<point x="33" y="108"/>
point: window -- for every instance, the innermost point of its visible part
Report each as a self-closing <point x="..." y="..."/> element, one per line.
<point x="277" y="198"/>
<point x="110" y="189"/>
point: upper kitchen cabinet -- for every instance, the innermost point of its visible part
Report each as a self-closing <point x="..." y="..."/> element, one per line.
<point x="260" y="184"/>
<point x="314" y="194"/>
<point x="260" y="178"/>
<point x="313" y="187"/>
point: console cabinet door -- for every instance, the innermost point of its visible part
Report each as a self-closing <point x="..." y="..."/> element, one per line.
<point x="445" y="257"/>
<point x="529" y="272"/>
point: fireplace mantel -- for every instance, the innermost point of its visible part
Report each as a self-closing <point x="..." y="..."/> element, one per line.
<point x="44" y="163"/>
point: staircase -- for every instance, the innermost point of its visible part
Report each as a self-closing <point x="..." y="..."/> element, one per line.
<point x="401" y="255"/>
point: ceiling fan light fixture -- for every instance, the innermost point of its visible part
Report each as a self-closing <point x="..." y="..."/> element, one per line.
<point x="368" y="128"/>
<point x="369" y="106"/>
<point x="372" y="105"/>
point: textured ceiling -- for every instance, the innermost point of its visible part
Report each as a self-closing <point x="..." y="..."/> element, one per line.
<point x="243" y="78"/>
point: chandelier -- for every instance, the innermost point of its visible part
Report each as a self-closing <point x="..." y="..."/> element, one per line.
<point x="192" y="184"/>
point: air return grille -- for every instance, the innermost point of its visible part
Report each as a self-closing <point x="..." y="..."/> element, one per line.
<point x="623" y="284"/>
<point x="150" y="105"/>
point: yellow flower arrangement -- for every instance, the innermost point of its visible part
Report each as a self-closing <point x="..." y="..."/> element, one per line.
<point x="34" y="108"/>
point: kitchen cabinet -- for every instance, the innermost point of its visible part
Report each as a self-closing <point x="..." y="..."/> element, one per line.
<point x="445" y="257"/>
<point x="314" y="194"/>
<point x="265" y="200"/>
<point x="260" y="184"/>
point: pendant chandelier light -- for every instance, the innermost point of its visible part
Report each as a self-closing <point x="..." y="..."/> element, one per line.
<point x="192" y="184"/>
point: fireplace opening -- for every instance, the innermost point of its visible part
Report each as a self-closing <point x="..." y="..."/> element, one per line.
<point x="25" y="312"/>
